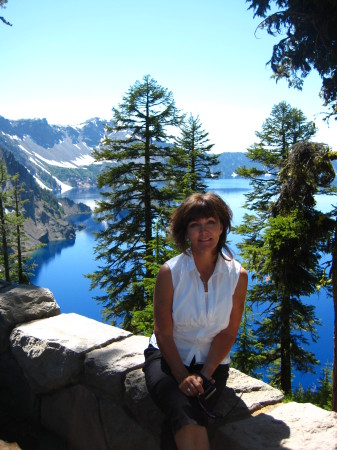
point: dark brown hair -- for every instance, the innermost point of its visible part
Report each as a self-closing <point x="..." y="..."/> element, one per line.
<point x="197" y="206"/>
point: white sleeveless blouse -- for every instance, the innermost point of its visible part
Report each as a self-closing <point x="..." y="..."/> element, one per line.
<point x="195" y="322"/>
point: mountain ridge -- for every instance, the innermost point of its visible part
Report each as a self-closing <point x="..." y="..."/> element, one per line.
<point x="44" y="149"/>
<point x="52" y="158"/>
<point x="60" y="157"/>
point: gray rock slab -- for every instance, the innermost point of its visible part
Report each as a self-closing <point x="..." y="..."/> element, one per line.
<point x="140" y="405"/>
<point x="292" y="426"/>
<point x="122" y="431"/>
<point x="245" y="395"/>
<point x="21" y="304"/>
<point x="74" y="414"/>
<point x="244" y="383"/>
<point x="106" y="367"/>
<point x="51" y="351"/>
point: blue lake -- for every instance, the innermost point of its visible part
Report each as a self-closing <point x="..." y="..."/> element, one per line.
<point x="61" y="267"/>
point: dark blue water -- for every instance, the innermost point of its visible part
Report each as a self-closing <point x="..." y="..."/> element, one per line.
<point x="62" y="266"/>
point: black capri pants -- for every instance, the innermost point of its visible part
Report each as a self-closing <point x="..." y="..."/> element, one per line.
<point x="179" y="409"/>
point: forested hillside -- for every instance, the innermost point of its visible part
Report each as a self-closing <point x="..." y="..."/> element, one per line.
<point x="45" y="214"/>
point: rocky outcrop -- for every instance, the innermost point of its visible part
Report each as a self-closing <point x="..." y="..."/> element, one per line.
<point x="46" y="225"/>
<point x="81" y="382"/>
<point x="23" y="304"/>
<point x="71" y="208"/>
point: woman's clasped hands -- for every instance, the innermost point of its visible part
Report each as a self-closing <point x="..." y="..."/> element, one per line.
<point x="192" y="385"/>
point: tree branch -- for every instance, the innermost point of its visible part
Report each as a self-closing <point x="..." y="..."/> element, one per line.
<point x="5" y="21"/>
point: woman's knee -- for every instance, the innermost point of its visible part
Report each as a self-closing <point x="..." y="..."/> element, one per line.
<point x="192" y="437"/>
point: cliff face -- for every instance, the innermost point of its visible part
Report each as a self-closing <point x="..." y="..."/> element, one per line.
<point x="55" y="155"/>
<point x="82" y="380"/>
<point x="45" y="214"/>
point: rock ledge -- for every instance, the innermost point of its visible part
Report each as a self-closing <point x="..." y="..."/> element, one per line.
<point x="80" y="384"/>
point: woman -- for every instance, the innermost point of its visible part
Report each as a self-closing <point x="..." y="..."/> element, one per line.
<point x="198" y="304"/>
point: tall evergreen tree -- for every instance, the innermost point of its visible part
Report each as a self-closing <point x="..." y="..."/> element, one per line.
<point x="14" y="253"/>
<point x="17" y="219"/>
<point x="334" y="294"/>
<point x="284" y="269"/>
<point x="4" y="228"/>
<point x="137" y="147"/>
<point x="283" y="128"/>
<point x="190" y="165"/>
<point x="309" y="42"/>
<point x="195" y="163"/>
<point x="248" y="350"/>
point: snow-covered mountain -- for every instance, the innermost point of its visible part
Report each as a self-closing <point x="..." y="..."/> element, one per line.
<point x="47" y="151"/>
<point x="60" y="157"/>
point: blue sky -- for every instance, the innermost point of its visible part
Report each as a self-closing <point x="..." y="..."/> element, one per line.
<point x="71" y="60"/>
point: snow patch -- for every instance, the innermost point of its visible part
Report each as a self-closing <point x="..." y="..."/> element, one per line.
<point x="64" y="187"/>
<point x="52" y="162"/>
<point x="24" y="149"/>
<point x="42" y="185"/>
<point x="83" y="160"/>
<point x="14" y="137"/>
<point x="39" y="165"/>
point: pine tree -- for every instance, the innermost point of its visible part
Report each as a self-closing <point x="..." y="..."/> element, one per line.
<point x="334" y="294"/>
<point x="137" y="148"/>
<point x="14" y="253"/>
<point x="284" y="237"/>
<point x="248" y="356"/>
<point x="319" y="395"/>
<point x="20" y="267"/>
<point x="190" y="165"/>
<point x="4" y="228"/>
<point x="163" y="250"/>
<point x="195" y="164"/>
<point x="309" y="32"/>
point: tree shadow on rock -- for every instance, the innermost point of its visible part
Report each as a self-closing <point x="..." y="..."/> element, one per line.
<point x="237" y="429"/>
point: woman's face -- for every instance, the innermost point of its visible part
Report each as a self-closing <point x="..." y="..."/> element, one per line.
<point x="204" y="233"/>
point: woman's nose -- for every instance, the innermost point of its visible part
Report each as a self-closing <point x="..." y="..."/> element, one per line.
<point x="203" y="227"/>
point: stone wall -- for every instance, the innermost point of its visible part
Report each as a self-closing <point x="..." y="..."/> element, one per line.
<point x="69" y="382"/>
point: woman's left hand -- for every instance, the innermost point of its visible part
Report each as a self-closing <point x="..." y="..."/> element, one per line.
<point x="191" y="386"/>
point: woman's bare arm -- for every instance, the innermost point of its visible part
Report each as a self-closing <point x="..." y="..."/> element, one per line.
<point x="163" y="323"/>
